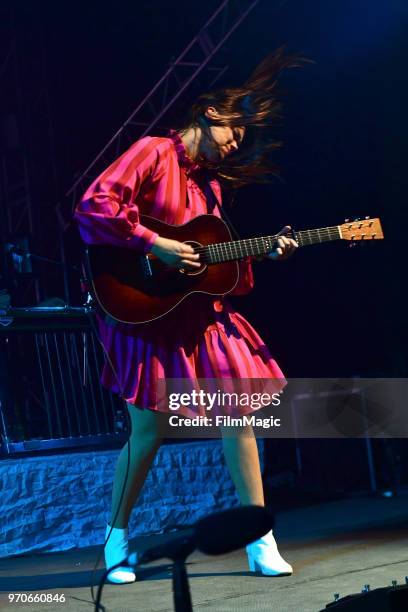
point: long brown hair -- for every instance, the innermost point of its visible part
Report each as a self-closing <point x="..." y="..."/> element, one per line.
<point x="256" y="105"/>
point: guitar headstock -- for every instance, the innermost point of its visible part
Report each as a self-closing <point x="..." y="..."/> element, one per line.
<point x="364" y="229"/>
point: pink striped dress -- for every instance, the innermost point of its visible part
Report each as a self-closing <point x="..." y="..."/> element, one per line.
<point x="203" y="338"/>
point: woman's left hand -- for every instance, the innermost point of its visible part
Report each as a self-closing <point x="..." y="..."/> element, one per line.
<point x="285" y="247"/>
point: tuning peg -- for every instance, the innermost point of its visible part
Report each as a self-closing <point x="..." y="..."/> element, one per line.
<point x="357" y="219"/>
<point x="367" y="217"/>
<point x="406" y="579"/>
<point x="336" y="596"/>
<point x="346" y="220"/>
<point x="394" y="583"/>
<point x="366" y="588"/>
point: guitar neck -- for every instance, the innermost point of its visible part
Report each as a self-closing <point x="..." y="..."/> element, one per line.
<point x="237" y="249"/>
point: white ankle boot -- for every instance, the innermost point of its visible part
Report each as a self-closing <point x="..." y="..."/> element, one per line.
<point x="264" y="557"/>
<point x="117" y="549"/>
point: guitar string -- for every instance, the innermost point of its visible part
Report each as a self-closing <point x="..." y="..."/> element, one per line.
<point x="325" y="233"/>
<point x="328" y="231"/>
<point x="237" y="249"/>
<point x="223" y="251"/>
<point x="259" y="243"/>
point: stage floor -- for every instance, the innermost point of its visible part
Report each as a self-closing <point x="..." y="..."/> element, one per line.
<point x="336" y="547"/>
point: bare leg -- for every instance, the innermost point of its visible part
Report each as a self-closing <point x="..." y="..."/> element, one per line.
<point x="242" y="458"/>
<point x="241" y="455"/>
<point x="145" y="439"/>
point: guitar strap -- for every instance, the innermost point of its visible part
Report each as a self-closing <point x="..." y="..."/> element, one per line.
<point x="224" y="215"/>
<point x="228" y="221"/>
<point x="183" y="189"/>
<point x="184" y="203"/>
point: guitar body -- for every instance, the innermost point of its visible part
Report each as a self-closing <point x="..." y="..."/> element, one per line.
<point x="134" y="288"/>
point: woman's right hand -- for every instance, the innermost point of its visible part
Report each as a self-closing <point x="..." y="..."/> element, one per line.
<point x="176" y="254"/>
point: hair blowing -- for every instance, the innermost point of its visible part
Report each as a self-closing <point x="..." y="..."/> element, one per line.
<point x="257" y="106"/>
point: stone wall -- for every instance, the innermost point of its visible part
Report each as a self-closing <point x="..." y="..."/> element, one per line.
<point x="59" y="502"/>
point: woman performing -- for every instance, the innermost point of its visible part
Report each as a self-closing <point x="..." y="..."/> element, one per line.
<point x="226" y="140"/>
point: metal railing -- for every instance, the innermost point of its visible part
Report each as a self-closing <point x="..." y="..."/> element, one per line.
<point x="50" y="393"/>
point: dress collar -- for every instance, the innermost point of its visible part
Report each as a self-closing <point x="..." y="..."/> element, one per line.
<point x="184" y="160"/>
<point x="194" y="169"/>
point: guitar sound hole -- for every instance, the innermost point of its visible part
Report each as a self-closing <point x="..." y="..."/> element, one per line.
<point x="200" y="270"/>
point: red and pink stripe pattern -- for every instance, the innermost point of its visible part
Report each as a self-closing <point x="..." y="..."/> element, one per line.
<point x="202" y="338"/>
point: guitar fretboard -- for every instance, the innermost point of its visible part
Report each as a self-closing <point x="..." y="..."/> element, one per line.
<point x="238" y="249"/>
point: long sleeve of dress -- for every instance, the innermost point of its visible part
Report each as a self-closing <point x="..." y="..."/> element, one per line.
<point x="108" y="213"/>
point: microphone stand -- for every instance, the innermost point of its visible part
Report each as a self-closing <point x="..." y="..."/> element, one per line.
<point x="14" y="249"/>
<point x="216" y="534"/>
<point x="181" y="587"/>
<point x="178" y="551"/>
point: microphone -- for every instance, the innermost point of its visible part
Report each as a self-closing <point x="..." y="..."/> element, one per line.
<point x="180" y="544"/>
<point x="223" y="532"/>
<point x="216" y="534"/>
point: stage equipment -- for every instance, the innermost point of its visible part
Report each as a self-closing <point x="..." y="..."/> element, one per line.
<point x="216" y="534"/>
<point x="22" y="258"/>
<point x="50" y="394"/>
<point x="29" y="176"/>
<point x="392" y="598"/>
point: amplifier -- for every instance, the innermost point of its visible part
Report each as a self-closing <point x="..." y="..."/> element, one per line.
<point x="384" y="599"/>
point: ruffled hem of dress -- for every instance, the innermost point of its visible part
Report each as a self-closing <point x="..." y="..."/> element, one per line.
<point x="232" y="356"/>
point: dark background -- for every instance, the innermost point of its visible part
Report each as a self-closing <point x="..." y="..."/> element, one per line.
<point x="330" y="310"/>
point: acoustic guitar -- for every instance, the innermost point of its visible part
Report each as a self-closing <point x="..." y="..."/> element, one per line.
<point x="135" y="289"/>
